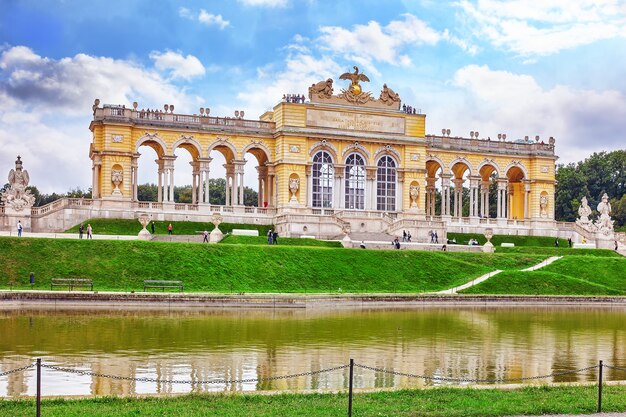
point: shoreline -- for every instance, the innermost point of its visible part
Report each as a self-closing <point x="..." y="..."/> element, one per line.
<point x="29" y="298"/>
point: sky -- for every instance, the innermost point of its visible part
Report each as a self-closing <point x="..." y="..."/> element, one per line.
<point x="524" y="68"/>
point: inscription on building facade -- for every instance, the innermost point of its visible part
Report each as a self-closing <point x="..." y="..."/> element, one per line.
<point x="354" y="121"/>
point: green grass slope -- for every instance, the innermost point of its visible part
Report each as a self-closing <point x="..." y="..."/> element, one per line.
<point x="542" y="250"/>
<point x="132" y="227"/>
<point x="262" y="240"/>
<point x="123" y="265"/>
<point x="572" y="275"/>
<point x="463" y="238"/>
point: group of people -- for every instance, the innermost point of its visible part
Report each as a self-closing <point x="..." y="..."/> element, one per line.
<point x="396" y="243"/>
<point x="408" y="109"/>
<point x="433" y="236"/>
<point x="81" y="231"/>
<point x="272" y="237"/>
<point x="406" y="236"/>
<point x="294" y="98"/>
<point x="472" y="242"/>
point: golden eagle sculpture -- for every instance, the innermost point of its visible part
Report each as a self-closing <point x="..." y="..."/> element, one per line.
<point x="354" y="78"/>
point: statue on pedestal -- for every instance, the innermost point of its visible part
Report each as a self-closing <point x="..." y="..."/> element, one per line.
<point x="17" y="197"/>
<point x="584" y="211"/>
<point x="604" y="224"/>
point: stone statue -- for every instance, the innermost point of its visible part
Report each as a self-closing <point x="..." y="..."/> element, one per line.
<point x="354" y="78"/>
<point x="584" y="211"/>
<point x="543" y="206"/>
<point x="388" y="96"/>
<point x="414" y="192"/>
<point x="116" y="178"/>
<point x="323" y="89"/>
<point x="294" y="185"/>
<point x="604" y="224"/>
<point x="17" y="196"/>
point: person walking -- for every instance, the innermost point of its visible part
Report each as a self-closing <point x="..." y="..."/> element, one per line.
<point x="81" y="230"/>
<point x="206" y="236"/>
<point x="275" y="237"/>
<point x="569" y="242"/>
<point x="436" y="237"/>
<point x="89" y="232"/>
<point x="408" y="236"/>
<point x="269" y="237"/>
<point x="152" y="227"/>
<point x="169" y="229"/>
<point x="19" y="228"/>
<point x="556" y="242"/>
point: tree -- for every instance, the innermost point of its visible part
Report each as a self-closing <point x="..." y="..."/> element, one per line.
<point x="571" y="188"/>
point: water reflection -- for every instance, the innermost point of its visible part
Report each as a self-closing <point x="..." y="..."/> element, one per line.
<point x="207" y="345"/>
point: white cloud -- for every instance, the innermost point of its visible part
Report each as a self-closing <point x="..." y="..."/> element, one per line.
<point x="183" y="67"/>
<point x="545" y="27"/>
<point x="210" y="19"/>
<point x="46" y="109"/>
<point x="373" y="42"/>
<point x="72" y="83"/>
<point x="297" y="73"/>
<point x="204" y="17"/>
<point x="264" y="3"/>
<point x="582" y="121"/>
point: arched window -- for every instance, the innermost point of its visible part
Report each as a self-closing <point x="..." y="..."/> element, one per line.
<point x="323" y="175"/>
<point x="355" y="182"/>
<point x="386" y="184"/>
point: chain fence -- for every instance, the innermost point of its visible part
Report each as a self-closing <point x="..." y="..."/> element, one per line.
<point x="39" y="365"/>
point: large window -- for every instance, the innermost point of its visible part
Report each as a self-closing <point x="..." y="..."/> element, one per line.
<point x="355" y="182"/>
<point x="323" y="175"/>
<point x="386" y="184"/>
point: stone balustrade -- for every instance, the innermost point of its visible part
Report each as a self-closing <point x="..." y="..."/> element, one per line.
<point x="119" y="113"/>
<point x="483" y="145"/>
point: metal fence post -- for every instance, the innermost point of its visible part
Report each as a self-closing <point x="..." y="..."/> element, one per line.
<point x="38" y="387"/>
<point x="350" y="388"/>
<point x="600" y="388"/>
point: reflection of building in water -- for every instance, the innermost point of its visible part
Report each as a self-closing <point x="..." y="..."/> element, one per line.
<point x="467" y="343"/>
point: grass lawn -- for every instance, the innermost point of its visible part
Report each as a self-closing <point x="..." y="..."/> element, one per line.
<point x="123" y="265"/>
<point x="132" y="227"/>
<point x="439" y="402"/>
<point x="288" y="241"/>
<point x="572" y="275"/>
<point x="542" y="241"/>
<point x="606" y="253"/>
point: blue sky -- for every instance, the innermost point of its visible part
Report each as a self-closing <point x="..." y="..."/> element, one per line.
<point x="549" y="68"/>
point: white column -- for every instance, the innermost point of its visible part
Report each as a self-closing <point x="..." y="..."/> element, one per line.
<point x="172" y="184"/>
<point x="160" y="186"/>
<point x="206" y="186"/>
<point x="241" y="200"/>
<point x="228" y="180"/>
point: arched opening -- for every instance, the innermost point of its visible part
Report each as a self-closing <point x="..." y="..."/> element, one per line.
<point x="186" y="168"/>
<point x="488" y="191"/>
<point x="322" y="177"/>
<point x="217" y="179"/>
<point x="434" y="173"/>
<point x="460" y="173"/>
<point x="256" y="191"/>
<point x="355" y="182"/>
<point x="149" y="163"/>
<point x="516" y="193"/>
<point x="386" y="178"/>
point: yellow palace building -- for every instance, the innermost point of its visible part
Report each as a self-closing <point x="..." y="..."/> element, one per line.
<point x="333" y="163"/>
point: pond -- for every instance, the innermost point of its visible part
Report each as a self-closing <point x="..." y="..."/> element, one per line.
<point x="210" y="349"/>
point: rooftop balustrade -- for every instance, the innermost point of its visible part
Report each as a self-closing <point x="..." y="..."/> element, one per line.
<point x="487" y="145"/>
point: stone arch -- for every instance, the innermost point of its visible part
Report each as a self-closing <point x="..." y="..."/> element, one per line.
<point x="223" y="146"/>
<point x="518" y="165"/>
<point x="456" y="167"/>
<point x="356" y="147"/>
<point x="483" y="168"/>
<point x="190" y="144"/>
<point x="433" y="163"/>
<point x="323" y="145"/>
<point x="153" y="141"/>
<point x="260" y="151"/>
<point x="388" y="150"/>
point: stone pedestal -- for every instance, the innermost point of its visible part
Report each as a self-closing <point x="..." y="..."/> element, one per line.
<point x="346" y="242"/>
<point x="144" y="219"/>
<point x="216" y="235"/>
<point x="488" y="247"/>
